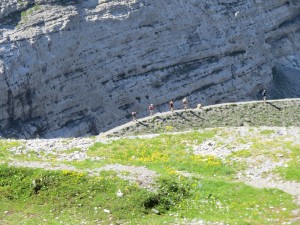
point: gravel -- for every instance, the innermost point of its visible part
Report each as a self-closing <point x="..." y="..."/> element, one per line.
<point x="258" y="174"/>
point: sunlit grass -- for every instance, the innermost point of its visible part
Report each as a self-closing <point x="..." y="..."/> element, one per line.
<point x="237" y="203"/>
<point x="241" y="154"/>
<point x="5" y="145"/>
<point x="36" y="196"/>
<point x="164" y="151"/>
<point x="292" y="170"/>
<point x="267" y="132"/>
<point x="189" y="186"/>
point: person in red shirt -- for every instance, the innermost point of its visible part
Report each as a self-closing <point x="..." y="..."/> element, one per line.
<point x="151" y="108"/>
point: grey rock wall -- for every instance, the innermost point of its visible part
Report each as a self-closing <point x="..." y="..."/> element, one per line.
<point x="71" y="68"/>
<point x="286" y="79"/>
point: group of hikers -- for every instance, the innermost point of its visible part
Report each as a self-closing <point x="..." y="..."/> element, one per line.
<point x="171" y="105"/>
<point x="184" y="104"/>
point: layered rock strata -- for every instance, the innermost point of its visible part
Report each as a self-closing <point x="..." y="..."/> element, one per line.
<point x="71" y="68"/>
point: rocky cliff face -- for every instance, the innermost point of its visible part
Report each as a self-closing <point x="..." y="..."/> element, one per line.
<point x="69" y="68"/>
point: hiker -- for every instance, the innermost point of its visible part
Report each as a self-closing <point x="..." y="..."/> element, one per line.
<point x="171" y="104"/>
<point x="185" y="103"/>
<point x="151" y="108"/>
<point x="264" y="94"/>
<point x="133" y="116"/>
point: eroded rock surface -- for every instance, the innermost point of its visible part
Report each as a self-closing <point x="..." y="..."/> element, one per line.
<point x="69" y="68"/>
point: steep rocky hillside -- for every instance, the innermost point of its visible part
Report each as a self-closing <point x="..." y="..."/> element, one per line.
<point x="69" y="68"/>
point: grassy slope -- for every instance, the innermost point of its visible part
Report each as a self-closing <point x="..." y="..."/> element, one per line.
<point x="210" y="191"/>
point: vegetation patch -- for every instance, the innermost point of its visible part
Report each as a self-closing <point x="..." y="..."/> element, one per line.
<point x="29" y="11"/>
<point x="267" y="132"/>
<point x="233" y="203"/>
<point x="270" y="148"/>
<point x="241" y="154"/>
<point x="67" y="197"/>
<point x="163" y="152"/>
<point x="187" y="187"/>
<point x="292" y="169"/>
<point x="5" y="146"/>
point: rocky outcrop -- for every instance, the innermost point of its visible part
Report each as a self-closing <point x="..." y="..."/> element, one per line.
<point x="70" y="68"/>
<point x="279" y="113"/>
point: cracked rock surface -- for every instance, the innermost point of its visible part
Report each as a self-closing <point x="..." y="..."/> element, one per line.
<point x="73" y="68"/>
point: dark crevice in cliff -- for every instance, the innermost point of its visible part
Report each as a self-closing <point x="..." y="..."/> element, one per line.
<point x="74" y="124"/>
<point x="235" y="53"/>
<point x="275" y="7"/>
<point x="231" y="7"/>
<point x="11" y="107"/>
<point x="68" y="109"/>
<point x="26" y="102"/>
<point x="65" y="2"/>
<point x="32" y="129"/>
<point x="92" y="124"/>
<point x="13" y="19"/>
<point x="205" y="87"/>
<point x="174" y="70"/>
<point x="275" y="38"/>
<point x="38" y="24"/>
<point x="10" y="102"/>
<point x="126" y="106"/>
<point x="10" y="21"/>
<point x="285" y="25"/>
<point x="98" y="109"/>
<point x="286" y="82"/>
<point x="291" y="21"/>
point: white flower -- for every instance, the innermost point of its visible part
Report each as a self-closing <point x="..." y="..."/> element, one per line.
<point x="119" y="193"/>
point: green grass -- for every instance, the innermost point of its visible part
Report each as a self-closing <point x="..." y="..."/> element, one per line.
<point x="28" y="12"/>
<point x="292" y="170"/>
<point x="268" y="147"/>
<point x="69" y="196"/>
<point x="208" y="191"/>
<point x="32" y="196"/>
<point x="71" y="150"/>
<point x="242" y="154"/>
<point x="163" y="153"/>
<point x="275" y="149"/>
<point x="5" y="146"/>
<point x="236" y="203"/>
<point x="267" y="132"/>
<point x="20" y="2"/>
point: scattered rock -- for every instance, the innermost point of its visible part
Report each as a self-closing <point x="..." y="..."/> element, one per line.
<point x="155" y="211"/>
<point x="106" y="211"/>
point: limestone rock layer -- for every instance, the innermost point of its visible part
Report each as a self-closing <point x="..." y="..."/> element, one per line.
<point x="72" y="68"/>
